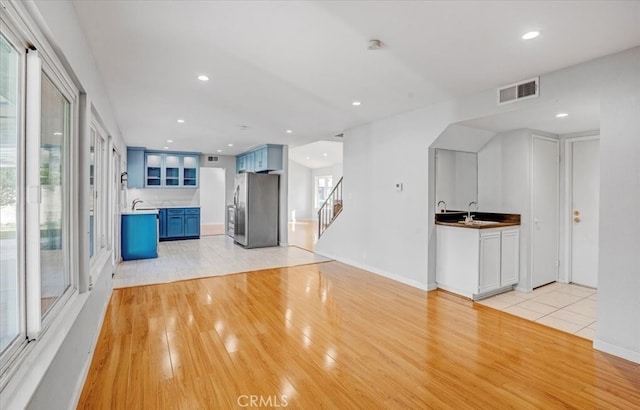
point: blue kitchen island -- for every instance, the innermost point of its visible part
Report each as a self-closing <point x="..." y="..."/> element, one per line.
<point x="139" y="235"/>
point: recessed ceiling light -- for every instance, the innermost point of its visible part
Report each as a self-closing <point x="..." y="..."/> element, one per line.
<point x="169" y="141"/>
<point x="180" y="121"/>
<point x="325" y="154"/>
<point x="530" y="35"/>
<point x="219" y="150"/>
<point x="57" y="133"/>
<point x="288" y="131"/>
<point x="229" y="145"/>
<point x="203" y="78"/>
<point x="356" y="103"/>
<point x="166" y="147"/>
<point x="562" y="115"/>
<point x="308" y="158"/>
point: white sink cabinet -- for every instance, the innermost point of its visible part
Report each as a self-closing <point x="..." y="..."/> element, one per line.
<point x="477" y="263"/>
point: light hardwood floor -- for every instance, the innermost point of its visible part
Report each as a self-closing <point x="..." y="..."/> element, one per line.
<point x="303" y="234"/>
<point x="332" y="336"/>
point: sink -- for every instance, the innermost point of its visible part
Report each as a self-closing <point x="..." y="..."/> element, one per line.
<point x="145" y="209"/>
<point x="474" y="222"/>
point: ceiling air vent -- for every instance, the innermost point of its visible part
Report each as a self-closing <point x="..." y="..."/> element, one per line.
<point x="519" y="91"/>
<point x="339" y="135"/>
<point x="212" y="158"/>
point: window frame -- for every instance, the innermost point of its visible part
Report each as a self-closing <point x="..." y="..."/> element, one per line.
<point x="20" y="341"/>
<point x="316" y="204"/>
<point x="100" y="190"/>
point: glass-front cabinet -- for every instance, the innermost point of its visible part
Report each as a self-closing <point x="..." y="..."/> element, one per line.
<point x="171" y="170"/>
<point x="154" y="170"/>
<point x="190" y="170"/>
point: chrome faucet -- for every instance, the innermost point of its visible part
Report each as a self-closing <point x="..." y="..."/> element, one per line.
<point x="469" y="216"/>
<point x="445" y="206"/>
<point x="135" y="202"/>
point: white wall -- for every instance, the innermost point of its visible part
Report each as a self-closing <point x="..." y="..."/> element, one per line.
<point x="163" y="197"/>
<point x="619" y="265"/>
<point x="300" y="192"/>
<point x="212" y="201"/>
<point x="504" y="185"/>
<point x="392" y="233"/>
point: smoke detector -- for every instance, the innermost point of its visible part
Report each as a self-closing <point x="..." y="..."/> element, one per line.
<point x="374" y="44"/>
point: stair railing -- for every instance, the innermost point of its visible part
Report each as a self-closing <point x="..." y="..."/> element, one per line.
<point x="330" y="209"/>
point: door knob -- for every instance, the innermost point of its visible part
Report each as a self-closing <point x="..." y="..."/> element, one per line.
<point x="576" y="219"/>
<point x="576" y="213"/>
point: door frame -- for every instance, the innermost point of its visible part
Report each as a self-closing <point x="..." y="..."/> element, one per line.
<point x="567" y="218"/>
<point x="532" y="216"/>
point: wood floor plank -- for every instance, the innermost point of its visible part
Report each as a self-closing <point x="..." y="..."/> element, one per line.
<point x="332" y="336"/>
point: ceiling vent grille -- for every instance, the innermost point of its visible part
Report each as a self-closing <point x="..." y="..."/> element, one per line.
<point x="519" y="91"/>
<point x="339" y="135"/>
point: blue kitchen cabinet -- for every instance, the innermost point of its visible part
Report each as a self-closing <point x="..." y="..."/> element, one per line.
<point x="190" y="171"/>
<point x="179" y="223"/>
<point x="265" y="158"/>
<point x="171" y="170"/>
<point x="241" y="164"/>
<point x="135" y="167"/>
<point x="175" y="223"/>
<point x="192" y="222"/>
<point x="162" y="215"/>
<point x="139" y="236"/>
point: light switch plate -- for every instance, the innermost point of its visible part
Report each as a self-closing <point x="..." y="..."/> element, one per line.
<point x="399" y="187"/>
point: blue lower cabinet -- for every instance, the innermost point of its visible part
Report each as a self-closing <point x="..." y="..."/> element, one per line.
<point x="180" y="223"/>
<point x="192" y="225"/>
<point x="175" y="223"/>
<point x="139" y="236"/>
<point x="162" y="215"/>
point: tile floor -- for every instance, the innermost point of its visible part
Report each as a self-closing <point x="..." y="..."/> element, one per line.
<point x="207" y="256"/>
<point x="567" y="307"/>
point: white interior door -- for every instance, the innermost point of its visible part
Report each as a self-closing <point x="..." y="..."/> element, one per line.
<point x="585" y="191"/>
<point x="545" y="185"/>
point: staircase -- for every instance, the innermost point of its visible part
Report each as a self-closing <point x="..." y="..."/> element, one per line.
<point x="330" y="209"/>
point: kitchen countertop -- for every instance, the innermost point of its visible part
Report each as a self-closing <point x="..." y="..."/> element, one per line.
<point x="484" y="220"/>
<point x="483" y="225"/>
<point x="140" y="212"/>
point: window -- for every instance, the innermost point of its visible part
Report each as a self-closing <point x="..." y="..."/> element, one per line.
<point x="10" y="202"/>
<point x="324" y="185"/>
<point x="38" y="255"/>
<point x="54" y="186"/>
<point x="97" y="205"/>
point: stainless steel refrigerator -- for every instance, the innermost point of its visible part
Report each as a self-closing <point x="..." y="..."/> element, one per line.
<point x="256" y="201"/>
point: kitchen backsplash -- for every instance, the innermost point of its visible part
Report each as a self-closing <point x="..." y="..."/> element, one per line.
<point x="163" y="197"/>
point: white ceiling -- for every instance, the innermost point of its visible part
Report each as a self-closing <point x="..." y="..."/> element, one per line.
<point x="278" y="65"/>
<point x="319" y="154"/>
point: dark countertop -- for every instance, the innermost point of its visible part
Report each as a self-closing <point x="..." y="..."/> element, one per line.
<point x="488" y="219"/>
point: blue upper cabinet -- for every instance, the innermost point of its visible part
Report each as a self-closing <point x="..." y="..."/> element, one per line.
<point x="190" y="170"/>
<point x="170" y="170"/>
<point x="262" y="159"/>
<point x="135" y="167"/>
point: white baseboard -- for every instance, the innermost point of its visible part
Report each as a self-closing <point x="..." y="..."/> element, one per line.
<point x="389" y="275"/>
<point x="626" y="354"/>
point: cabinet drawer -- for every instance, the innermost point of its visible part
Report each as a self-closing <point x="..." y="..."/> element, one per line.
<point x="192" y="211"/>
<point x="175" y="211"/>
